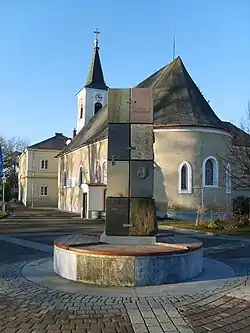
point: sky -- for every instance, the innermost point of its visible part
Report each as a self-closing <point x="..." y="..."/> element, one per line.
<point x="46" y="48"/>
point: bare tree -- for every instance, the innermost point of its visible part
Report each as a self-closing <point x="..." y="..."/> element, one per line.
<point x="12" y="148"/>
<point x="239" y="152"/>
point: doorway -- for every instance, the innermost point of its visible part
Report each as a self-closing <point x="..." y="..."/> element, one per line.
<point x="104" y="199"/>
<point x="84" y="205"/>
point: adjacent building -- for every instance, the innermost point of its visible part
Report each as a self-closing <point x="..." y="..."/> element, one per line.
<point x="38" y="172"/>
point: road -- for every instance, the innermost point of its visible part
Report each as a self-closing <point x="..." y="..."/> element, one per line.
<point x="30" y="307"/>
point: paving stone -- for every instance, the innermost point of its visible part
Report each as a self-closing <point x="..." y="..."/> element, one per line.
<point x="147" y="314"/>
<point x="140" y="328"/>
<point x="151" y="322"/>
<point x="185" y="329"/>
<point x="156" y="329"/>
<point x="23" y="302"/>
<point x="168" y="326"/>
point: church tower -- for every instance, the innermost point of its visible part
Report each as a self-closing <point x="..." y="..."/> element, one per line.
<point x="93" y="96"/>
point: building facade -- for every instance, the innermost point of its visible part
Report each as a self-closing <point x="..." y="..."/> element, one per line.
<point x="38" y="173"/>
<point x="191" y="151"/>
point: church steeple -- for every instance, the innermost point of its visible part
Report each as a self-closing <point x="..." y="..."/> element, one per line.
<point x="95" y="78"/>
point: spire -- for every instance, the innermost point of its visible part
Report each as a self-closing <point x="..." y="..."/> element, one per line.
<point x="95" y="78"/>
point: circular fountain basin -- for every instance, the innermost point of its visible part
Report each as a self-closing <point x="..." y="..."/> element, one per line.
<point x="85" y="259"/>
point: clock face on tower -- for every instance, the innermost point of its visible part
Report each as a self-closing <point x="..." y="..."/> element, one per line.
<point x="98" y="97"/>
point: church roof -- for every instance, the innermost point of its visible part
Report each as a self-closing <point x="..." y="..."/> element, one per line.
<point x="95" y="78"/>
<point x="240" y="137"/>
<point x="56" y="142"/>
<point x="177" y="101"/>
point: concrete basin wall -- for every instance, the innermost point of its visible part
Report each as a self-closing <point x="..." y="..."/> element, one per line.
<point x="127" y="271"/>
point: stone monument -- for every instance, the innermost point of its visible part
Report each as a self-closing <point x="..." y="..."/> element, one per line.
<point x="130" y="212"/>
<point x="128" y="253"/>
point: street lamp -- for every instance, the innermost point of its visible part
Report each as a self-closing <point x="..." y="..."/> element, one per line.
<point x="3" y="182"/>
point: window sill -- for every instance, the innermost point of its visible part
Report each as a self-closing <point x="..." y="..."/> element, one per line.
<point x="185" y="192"/>
<point x="211" y="186"/>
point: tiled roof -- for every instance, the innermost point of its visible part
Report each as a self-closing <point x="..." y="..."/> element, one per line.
<point x="177" y="101"/>
<point x="240" y="137"/>
<point x="56" y="142"/>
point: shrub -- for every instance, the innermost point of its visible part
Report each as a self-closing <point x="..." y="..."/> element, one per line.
<point x="241" y="221"/>
<point x="217" y="224"/>
<point x="241" y="205"/>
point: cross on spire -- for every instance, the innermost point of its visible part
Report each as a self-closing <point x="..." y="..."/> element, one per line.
<point x="96" y="32"/>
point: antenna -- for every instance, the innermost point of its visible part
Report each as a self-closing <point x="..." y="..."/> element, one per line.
<point x="174" y="45"/>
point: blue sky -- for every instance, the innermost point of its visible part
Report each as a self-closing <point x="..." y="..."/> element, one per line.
<point x="46" y="48"/>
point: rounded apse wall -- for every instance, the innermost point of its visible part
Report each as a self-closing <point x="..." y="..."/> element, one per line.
<point x="173" y="147"/>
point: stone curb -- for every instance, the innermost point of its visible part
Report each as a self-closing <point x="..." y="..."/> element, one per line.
<point x="198" y="232"/>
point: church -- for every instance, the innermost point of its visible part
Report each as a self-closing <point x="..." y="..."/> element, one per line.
<point x="191" y="150"/>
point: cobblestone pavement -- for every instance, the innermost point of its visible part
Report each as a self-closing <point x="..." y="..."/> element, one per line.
<point x="27" y="307"/>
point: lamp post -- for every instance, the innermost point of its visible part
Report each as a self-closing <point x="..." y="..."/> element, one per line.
<point x="3" y="181"/>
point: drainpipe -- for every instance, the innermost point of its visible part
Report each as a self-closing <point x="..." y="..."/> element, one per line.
<point x="33" y="179"/>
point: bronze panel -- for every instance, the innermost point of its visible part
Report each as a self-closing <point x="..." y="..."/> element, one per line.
<point x="118" y="141"/>
<point x="118" y="179"/>
<point x="117" y="215"/>
<point x="141" y="179"/>
<point x="118" y="105"/>
<point x="142" y="106"/>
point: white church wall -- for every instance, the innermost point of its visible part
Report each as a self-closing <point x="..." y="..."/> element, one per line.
<point x="172" y="147"/>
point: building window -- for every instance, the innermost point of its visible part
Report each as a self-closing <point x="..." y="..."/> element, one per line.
<point x="64" y="178"/>
<point x="185" y="177"/>
<point x="81" y="110"/>
<point x="98" y="106"/>
<point x="97" y="173"/>
<point x="228" y="179"/>
<point x="104" y="173"/>
<point x="81" y="176"/>
<point x="44" y="190"/>
<point x="210" y="172"/>
<point x="44" y="164"/>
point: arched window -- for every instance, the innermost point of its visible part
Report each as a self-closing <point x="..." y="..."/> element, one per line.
<point x="81" y="176"/>
<point x="104" y="173"/>
<point x="228" y="179"/>
<point x="98" y="172"/>
<point x="98" y="106"/>
<point x="64" y="178"/>
<point x="210" y="172"/>
<point x="185" y="178"/>
<point x="81" y="109"/>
